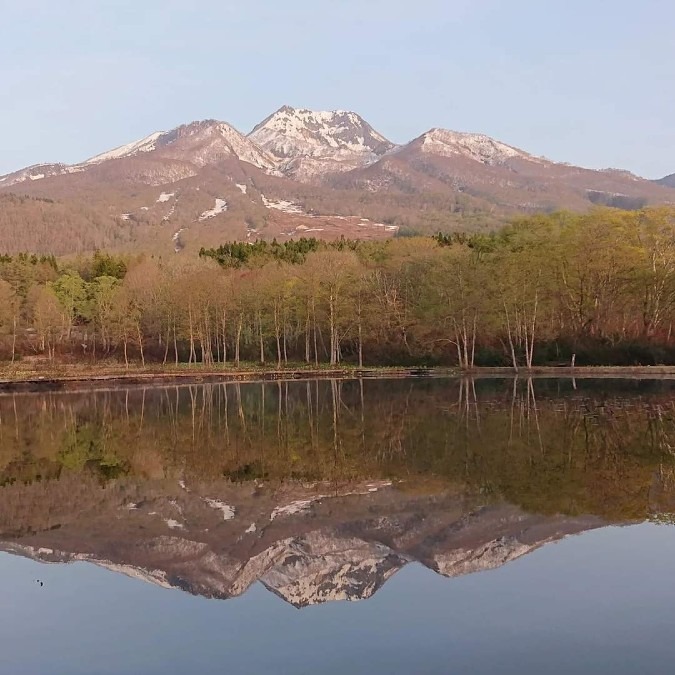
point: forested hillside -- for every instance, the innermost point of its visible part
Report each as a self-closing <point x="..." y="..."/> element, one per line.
<point x="599" y="285"/>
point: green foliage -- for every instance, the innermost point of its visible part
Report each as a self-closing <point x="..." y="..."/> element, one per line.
<point x="84" y="448"/>
<point x="294" y="251"/>
<point x="105" y="265"/>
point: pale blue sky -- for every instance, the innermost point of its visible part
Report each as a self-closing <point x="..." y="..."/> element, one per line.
<point x="585" y="82"/>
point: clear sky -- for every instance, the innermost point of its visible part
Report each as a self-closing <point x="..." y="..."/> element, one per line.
<point x="589" y="82"/>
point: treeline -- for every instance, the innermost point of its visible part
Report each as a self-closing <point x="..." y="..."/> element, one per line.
<point x="599" y="287"/>
<point x="294" y="252"/>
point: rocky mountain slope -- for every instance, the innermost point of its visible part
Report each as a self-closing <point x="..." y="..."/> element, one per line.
<point x="309" y="144"/>
<point x="327" y="174"/>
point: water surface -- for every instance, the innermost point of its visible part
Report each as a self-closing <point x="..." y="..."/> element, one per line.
<point x="482" y="526"/>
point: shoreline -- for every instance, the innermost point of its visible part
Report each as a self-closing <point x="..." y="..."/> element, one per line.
<point x="31" y="382"/>
<point x="95" y="378"/>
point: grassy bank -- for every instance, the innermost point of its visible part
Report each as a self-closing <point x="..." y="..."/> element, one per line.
<point x="65" y="376"/>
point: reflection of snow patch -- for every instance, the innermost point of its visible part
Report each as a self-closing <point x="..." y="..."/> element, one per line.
<point x="174" y="524"/>
<point x="374" y="487"/>
<point x="281" y="205"/>
<point x="165" y="196"/>
<point x="181" y="483"/>
<point x="295" y="507"/>
<point x="227" y="510"/>
<point x="251" y="528"/>
<point x="149" y="576"/>
<point x="241" y="187"/>
<point x="220" y="207"/>
<point x="125" y="216"/>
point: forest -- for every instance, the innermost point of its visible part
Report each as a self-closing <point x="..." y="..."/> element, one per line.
<point x="594" y="289"/>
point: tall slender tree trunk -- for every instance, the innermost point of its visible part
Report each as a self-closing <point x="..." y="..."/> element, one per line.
<point x="260" y="337"/>
<point x="308" y="354"/>
<point x="13" y="338"/>
<point x="238" y="341"/>
<point x="140" y="343"/>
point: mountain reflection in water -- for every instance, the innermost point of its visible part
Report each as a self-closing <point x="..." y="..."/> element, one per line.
<point x="322" y="490"/>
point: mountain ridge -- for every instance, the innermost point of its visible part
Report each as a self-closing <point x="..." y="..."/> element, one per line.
<point x="293" y="171"/>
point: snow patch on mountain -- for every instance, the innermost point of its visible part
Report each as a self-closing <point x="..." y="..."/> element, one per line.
<point x="146" y="144"/>
<point x="242" y="188"/>
<point x="200" y="143"/>
<point x="220" y="207"/>
<point x="38" y="172"/>
<point x="477" y="147"/>
<point x="177" y="243"/>
<point x="244" y="149"/>
<point x="281" y="205"/>
<point x="165" y="196"/>
<point x="338" y="134"/>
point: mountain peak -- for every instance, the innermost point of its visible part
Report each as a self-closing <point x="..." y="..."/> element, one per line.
<point x="201" y="142"/>
<point x="478" y="147"/>
<point x="291" y="133"/>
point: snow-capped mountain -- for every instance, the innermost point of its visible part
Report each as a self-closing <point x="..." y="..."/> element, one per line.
<point x="324" y="174"/>
<point x="477" y="147"/>
<point x="308" y="143"/>
<point x="296" y="132"/>
<point x="207" y="142"/>
<point x="193" y="146"/>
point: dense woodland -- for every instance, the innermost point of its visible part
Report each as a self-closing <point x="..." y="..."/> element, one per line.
<point x="597" y="287"/>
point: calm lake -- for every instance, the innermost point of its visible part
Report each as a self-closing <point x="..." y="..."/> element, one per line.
<point x="378" y="526"/>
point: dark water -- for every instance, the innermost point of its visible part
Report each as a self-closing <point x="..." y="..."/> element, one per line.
<point x="484" y="527"/>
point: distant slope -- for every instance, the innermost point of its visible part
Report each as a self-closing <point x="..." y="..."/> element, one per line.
<point x="502" y="176"/>
<point x="668" y="181"/>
